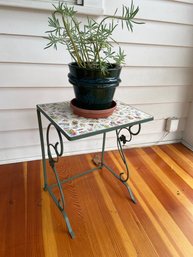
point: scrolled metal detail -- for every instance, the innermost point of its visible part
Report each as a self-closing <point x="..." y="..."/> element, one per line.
<point x="53" y="160"/>
<point x="122" y="139"/>
<point x="131" y="133"/>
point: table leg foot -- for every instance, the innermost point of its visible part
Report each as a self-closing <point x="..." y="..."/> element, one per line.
<point x="124" y="182"/>
<point x="130" y="193"/>
<point x="71" y="232"/>
<point x="45" y="188"/>
<point x="97" y="160"/>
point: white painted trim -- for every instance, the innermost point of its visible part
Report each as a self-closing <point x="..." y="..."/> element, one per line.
<point x="187" y="145"/>
<point x="182" y="1"/>
<point x="90" y="7"/>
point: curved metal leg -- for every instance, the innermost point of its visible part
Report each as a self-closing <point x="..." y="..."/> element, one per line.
<point x="71" y="232"/>
<point x="123" y="140"/>
<point x="100" y="161"/>
<point x="120" y="149"/>
<point x="52" y="160"/>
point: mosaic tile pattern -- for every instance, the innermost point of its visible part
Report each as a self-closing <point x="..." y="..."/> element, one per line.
<point x="74" y="125"/>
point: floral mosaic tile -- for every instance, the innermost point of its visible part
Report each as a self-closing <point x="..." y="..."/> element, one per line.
<point x="74" y="125"/>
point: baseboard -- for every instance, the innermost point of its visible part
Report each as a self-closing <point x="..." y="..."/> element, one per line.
<point x="189" y="146"/>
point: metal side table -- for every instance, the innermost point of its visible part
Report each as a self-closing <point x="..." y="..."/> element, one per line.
<point x="74" y="127"/>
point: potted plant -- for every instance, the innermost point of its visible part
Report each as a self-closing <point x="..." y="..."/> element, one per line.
<point x="95" y="70"/>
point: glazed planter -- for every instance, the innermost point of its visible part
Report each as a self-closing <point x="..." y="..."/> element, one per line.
<point x="94" y="90"/>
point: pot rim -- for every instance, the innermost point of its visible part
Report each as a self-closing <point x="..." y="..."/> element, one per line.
<point x="112" y="66"/>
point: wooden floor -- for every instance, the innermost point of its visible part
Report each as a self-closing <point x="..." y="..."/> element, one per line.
<point x="106" y="222"/>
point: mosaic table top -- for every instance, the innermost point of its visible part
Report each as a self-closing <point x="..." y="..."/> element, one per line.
<point x="75" y="127"/>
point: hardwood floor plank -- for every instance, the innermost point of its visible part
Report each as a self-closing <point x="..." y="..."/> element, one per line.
<point x="99" y="222"/>
<point x="49" y="242"/>
<point x="34" y="210"/>
<point x="12" y="206"/>
<point x="105" y="220"/>
<point x="117" y="222"/>
<point x="147" y="199"/>
<point x="166" y="180"/>
<point x="121" y="199"/>
<point x="170" y="226"/>
<point x="187" y="153"/>
<point x="175" y="169"/>
<point x="167" y="199"/>
<point x="183" y="161"/>
<point x="74" y="211"/>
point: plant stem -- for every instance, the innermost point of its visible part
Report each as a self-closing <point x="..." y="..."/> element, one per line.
<point x="78" y="58"/>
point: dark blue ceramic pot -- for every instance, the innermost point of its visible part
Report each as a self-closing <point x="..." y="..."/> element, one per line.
<point x="93" y="89"/>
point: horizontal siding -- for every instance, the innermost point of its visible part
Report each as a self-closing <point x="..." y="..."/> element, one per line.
<point x="165" y="34"/>
<point x="130" y="95"/>
<point x="26" y="119"/>
<point x="47" y="75"/>
<point x="31" y="97"/>
<point x="159" y="10"/>
<point x="156" y="78"/>
<point x="137" y="54"/>
<point x="154" y="94"/>
<point x="179" y="15"/>
<point x="169" y="34"/>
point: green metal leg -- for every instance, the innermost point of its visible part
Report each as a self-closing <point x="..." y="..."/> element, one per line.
<point x="119" y="177"/>
<point x="103" y="149"/>
<point x="124" y="183"/>
<point x="42" y="149"/>
<point x="130" y="192"/>
<point x="62" y="210"/>
<point x="59" y="203"/>
<point x="71" y="232"/>
<point x="99" y="160"/>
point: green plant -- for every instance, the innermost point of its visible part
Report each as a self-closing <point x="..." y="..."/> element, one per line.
<point x="90" y="44"/>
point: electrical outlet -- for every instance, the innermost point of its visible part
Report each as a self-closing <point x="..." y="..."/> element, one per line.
<point x="172" y="124"/>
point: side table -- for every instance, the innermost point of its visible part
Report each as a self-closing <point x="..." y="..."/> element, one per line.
<point x="73" y="127"/>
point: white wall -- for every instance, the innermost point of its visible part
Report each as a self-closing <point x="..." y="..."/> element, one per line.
<point x="157" y="76"/>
